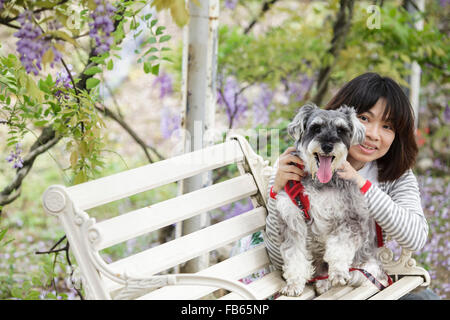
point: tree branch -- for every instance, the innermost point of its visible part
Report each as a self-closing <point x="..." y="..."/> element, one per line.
<point x="341" y="28"/>
<point x="109" y="113"/>
<point x="265" y="7"/>
<point x="45" y="141"/>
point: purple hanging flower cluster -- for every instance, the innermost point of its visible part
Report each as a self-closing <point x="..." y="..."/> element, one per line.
<point x="15" y="157"/>
<point x="263" y="106"/>
<point x="31" y="46"/>
<point x="63" y="83"/>
<point x="298" y="88"/>
<point x="236" y="208"/>
<point x="231" y="4"/>
<point x="165" y="82"/>
<point x="102" y="26"/>
<point x="232" y="100"/>
<point x="169" y="122"/>
<point x="447" y="114"/>
<point x="2" y="3"/>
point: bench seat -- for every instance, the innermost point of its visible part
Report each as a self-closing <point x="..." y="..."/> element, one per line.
<point x="148" y="275"/>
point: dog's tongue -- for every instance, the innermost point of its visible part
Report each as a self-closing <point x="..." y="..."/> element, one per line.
<point x="324" y="174"/>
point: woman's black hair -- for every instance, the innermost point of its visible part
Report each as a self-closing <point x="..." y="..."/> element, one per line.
<point x="362" y="93"/>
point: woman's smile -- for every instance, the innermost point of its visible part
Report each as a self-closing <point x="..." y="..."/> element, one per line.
<point x="379" y="136"/>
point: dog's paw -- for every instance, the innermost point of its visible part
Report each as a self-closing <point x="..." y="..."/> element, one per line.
<point x="292" y="290"/>
<point x="322" y="286"/>
<point x="339" y="277"/>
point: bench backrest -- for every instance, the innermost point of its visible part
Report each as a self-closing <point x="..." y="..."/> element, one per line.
<point x="87" y="236"/>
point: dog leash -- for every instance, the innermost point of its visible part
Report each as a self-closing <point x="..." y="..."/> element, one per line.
<point x="366" y="273"/>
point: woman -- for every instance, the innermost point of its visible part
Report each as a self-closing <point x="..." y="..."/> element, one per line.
<point x="385" y="160"/>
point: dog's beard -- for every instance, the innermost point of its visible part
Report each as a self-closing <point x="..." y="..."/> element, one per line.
<point x="320" y="165"/>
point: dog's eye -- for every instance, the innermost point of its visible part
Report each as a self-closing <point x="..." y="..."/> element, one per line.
<point x="340" y="130"/>
<point x="315" y="129"/>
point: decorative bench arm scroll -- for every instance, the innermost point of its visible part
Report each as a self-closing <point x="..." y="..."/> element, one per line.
<point x="83" y="236"/>
<point x="134" y="285"/>
<point x="405" y="265"/>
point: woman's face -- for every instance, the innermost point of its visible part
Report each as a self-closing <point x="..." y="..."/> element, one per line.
<point x="379" y="135"/>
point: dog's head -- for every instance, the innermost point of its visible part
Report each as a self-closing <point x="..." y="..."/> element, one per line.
<point x="323" y="138"/>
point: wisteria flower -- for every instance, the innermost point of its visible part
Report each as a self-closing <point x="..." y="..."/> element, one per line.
<point x="263" y="106"/>
<point x="102" y="26"/>
<point x="231" y="4"/>
<point x="447" y="114"/>
<point x="165" y="84"/>
<point x="169" y="122"/>
<point x="63" y="82"/>
<point x="31" y="45"/>
<point x="232" y="100"/>
<point x="15" y="157"/>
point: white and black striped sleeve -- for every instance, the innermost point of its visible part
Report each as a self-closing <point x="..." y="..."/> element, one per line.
<point x="272" y="234"/>
<point x="399" y="212"/>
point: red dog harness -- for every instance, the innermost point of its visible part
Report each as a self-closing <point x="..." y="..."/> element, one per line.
<point x="295" y="190"/>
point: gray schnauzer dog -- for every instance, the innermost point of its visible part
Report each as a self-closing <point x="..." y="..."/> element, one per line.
<point x="340" y="234"/>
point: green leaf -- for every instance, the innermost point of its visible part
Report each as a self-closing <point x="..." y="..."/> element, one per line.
<point x="151" y="40"/>
<point x="159" y="30"/>
<point x="40" y="123"/>
<point x="147" y="67"/>
<point x="110" y="65"/>
<point x="164" y="38"/>
<point x="91" y="83"/>
<point x="93" y="70"/>
<point x="63" y="35"/>
<point x="155" y="69"/>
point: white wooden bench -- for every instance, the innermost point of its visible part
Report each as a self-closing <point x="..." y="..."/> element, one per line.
<point x="134" y="277"/>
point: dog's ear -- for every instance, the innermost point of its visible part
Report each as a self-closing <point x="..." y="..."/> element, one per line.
<point x="298" y="126"/>
<point x="359" y="130"/>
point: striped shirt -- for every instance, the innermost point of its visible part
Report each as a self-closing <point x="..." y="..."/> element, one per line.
<point x="395" y="206"/>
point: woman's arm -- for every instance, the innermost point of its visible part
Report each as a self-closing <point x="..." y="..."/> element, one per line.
<point x="400" y="213"/>
<point x="283" y="171"/>
<point x="272" y="234"/>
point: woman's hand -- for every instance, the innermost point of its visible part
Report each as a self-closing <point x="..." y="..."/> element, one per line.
<point x="347" y="172"/>
<point x="287" y="171"/>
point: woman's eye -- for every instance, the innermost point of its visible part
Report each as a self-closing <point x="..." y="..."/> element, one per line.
<point x="363" y="118"/>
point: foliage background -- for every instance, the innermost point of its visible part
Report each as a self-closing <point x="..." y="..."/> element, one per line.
<point x="271" y="60"/>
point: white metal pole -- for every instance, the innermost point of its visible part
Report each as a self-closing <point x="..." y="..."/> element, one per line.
<point x="199" y="97"/>
<point x="414" y="81"/>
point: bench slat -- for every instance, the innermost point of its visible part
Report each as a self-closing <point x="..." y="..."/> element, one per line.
<point x="124" y="184"/>
<point x="399" y="288"/>
<point x="335" y="293"/>
<point x="145" y="220"/>
<point x="307" y="294"/>
<point x="235" y="268"/>
<point x="263" y="288"/>
<point x="360" y="293"/>
<point x="170" y="254"/>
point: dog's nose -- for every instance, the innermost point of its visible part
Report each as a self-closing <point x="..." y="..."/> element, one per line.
<point x="327" y="147"/>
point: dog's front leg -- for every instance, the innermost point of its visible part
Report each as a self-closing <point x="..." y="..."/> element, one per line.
<point x="339" y="254"/>
<point x="298" y="267"/>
